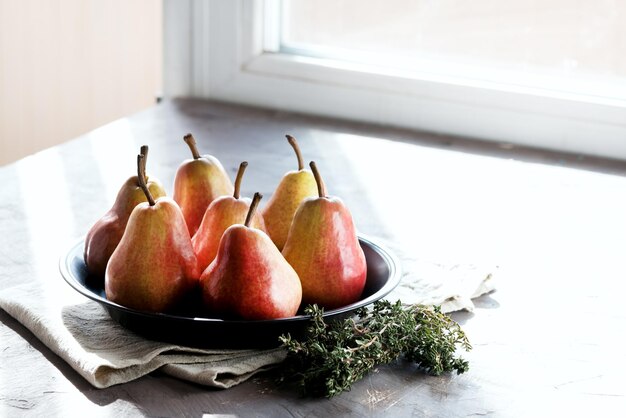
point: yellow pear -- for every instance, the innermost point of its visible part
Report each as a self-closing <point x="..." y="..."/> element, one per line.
<point x="198" y="182"/>
<point x="293" y="188"/>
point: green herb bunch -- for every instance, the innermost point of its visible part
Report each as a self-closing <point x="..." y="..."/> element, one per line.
<point x="336" y="354"/>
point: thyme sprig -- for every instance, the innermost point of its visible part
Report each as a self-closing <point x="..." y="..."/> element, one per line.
<point x="337" y="353"/>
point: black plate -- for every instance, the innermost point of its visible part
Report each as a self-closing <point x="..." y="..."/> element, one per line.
<point x="190" y="328"/>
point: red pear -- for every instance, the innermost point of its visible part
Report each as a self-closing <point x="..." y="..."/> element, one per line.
<point x="154" y="265"/>
<point x="249" y="278"/>
<point x="106" y="233"/>
<point x="323" y="248"/>
<point x="198" y="182"/>
<point x="222" y="213"/>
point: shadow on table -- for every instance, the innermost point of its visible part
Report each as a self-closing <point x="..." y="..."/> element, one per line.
<point x="485" y="301"/>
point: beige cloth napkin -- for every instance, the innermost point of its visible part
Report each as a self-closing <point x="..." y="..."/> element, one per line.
<point x="105" y="353"/>
<point x="451" y="286"/>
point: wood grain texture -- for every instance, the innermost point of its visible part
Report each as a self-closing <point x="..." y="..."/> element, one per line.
<point x="548" y="342"/>
<point x="69" y="66"/>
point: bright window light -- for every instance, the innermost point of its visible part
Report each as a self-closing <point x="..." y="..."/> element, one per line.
<point x="565" y="45"/>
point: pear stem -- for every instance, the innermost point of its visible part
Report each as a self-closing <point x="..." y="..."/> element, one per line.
<point x="242" y="169"/>
<point x="321" y="187"/>
<point x="253" y="205"/>
<point x="296" y="148"/>
<point x="191" y="142"/>
<point x="143" y="151"/>
<point x="141" y="167"/>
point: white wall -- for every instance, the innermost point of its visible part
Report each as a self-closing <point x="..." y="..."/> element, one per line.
<point x="68" y="66"/>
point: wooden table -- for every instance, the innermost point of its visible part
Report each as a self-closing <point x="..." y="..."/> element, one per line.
<point x="548" y="342"/>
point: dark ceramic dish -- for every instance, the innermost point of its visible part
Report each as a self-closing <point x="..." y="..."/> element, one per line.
<point x="189" y="327"/>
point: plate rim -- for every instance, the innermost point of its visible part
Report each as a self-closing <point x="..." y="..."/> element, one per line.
<point x="392" y="261"/>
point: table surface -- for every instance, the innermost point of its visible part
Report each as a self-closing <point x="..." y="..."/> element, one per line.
<point x="547" y="342"/>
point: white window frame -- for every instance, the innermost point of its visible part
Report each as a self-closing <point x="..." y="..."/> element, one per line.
<point x="230" y="59"/>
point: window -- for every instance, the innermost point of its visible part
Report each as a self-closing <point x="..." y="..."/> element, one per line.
<point x="548" y="74"/>
<point x="511" y="42"/>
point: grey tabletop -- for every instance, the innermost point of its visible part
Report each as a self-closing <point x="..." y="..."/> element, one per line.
<point x="547" y="342"/>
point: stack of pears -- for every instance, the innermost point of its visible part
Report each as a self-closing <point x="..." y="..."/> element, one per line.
<point x="153" y="250"/>
<point x="222" y="213"/>
<point x="249" y="278"/>
<point x="106" y="233"/>
<point x="154" y="265"/>
<point x="323" y="248"/>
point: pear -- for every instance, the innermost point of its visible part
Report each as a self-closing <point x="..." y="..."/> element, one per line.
<point x="154" y="265"/>
<point x="107" y="232"/>
<point x="222" y="213"/>
<point x="249" y="278"/>
<point x="294" y="187"/>
<point x="198" y="182"/>
<point x="323" y="248"/>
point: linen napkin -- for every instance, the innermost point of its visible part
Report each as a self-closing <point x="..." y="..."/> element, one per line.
<point x="449" y="285"/>
<point x="106" y="354"/>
